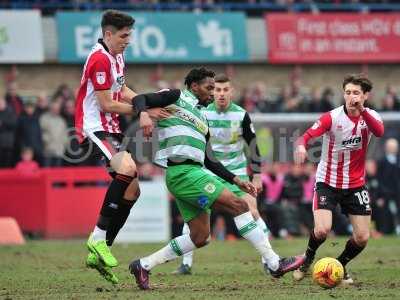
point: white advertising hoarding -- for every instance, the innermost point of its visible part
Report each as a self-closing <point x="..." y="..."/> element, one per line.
<point x="21" y="37"/>
<point x="149" y="220"/>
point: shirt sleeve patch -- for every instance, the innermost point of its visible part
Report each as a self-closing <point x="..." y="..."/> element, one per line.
<point x="101" y="77"/>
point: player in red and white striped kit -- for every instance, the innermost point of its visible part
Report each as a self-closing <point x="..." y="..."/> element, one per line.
<point x="340" y="177"/>
<point x="103" y="95"/>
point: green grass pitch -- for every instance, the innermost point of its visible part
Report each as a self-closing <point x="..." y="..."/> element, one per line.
<point x="222" y="270"/>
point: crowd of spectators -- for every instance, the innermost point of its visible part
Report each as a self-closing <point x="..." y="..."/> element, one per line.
<point x="37" y="124"/>
<point x="44" y="123"/>
<point x="297" y="98"/>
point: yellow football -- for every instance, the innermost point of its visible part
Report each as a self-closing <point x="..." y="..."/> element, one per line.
<point x="328" y="272"/>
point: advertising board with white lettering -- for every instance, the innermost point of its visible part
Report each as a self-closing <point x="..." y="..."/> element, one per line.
<point x="160" y="37"/>
<point x="333" y="38"/>
<point x="21" y="37"/>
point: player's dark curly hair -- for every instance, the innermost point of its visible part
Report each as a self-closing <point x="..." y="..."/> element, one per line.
<point x="197" y="75"/>
<point x="358" y="79"/>
<point x="116" y="20"/>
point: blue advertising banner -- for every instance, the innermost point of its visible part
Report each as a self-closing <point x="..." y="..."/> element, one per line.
<point x="160" y="37"/>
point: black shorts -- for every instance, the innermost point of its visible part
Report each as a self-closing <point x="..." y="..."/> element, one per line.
<point x="99" y="147"/>
<point x="354" y="201"/>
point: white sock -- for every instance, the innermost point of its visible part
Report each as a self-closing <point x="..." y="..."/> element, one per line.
<point x="187" y="257"/>
<point x="99" y="234"/>
<point x="260" y="222"/>
<point x="176" y="247"/>
<point x="250" y="231"/>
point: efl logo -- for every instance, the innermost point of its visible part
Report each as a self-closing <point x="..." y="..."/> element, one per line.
<point x="352" y="141"/>
<point x="101" y="77"/>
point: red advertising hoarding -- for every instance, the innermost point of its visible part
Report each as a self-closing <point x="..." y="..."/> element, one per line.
<point x="333" y="38"/>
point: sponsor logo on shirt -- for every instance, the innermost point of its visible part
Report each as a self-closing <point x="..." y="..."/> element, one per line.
<point x="202" y="126"/>
<point x="352" y="141"/>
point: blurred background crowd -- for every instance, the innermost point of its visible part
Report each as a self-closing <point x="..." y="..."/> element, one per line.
<point x="35" y="131"/>
<point x="42" y="124"/>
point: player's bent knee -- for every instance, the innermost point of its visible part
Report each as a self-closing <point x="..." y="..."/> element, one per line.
<point x="132" y="197"/>
<point x="123" y="163"/>
<point x="200" y="240"/>
<point x="321" y="232"/>
<point x="137" y="194"/>
<point x="361" y="239"/>
<point x="202" y="243"/>
<point x="240" y="206"/>
<point x="129" y="169"/>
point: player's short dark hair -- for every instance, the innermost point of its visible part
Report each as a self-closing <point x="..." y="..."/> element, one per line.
<point x="358" y="79"/>
<point x="116" y="20"/>
<point x="197" y="75"/>
<point x="222" y="78"/>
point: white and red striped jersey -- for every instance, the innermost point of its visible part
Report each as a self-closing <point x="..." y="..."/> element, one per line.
<point x="344" y="146"/>
<point x="102" y="71"/>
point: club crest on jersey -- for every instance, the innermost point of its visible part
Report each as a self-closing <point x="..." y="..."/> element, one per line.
<point x="362" y="124"/>
<point x="121" y="80"/>
<point x="101" y="77"/>
<point x="352" y="141"/>
<point x="210" y="188"/>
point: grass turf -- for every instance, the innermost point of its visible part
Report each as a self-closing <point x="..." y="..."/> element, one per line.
<point x="222" y="270"/>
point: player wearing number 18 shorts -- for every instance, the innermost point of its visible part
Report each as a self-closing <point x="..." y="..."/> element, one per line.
<point x="340" y="177"/>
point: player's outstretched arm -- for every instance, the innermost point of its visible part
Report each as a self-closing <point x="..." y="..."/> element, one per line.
<point x="127" y="94"/>
<point x="155" y="113"/>
<point x="107" y="104"/>
<point x="300" y="154"/>
<point x="161" y="99"/>
<point x="143" y="102"/>
<point x="319" y="128"/>
<point x="249" y="135"/>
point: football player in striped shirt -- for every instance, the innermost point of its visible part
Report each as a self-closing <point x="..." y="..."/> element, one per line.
<point x="102" y="96"/>
<point x="230" y="130"/>
<point x="184" y="150"/>
<point x="340" y="178"/>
